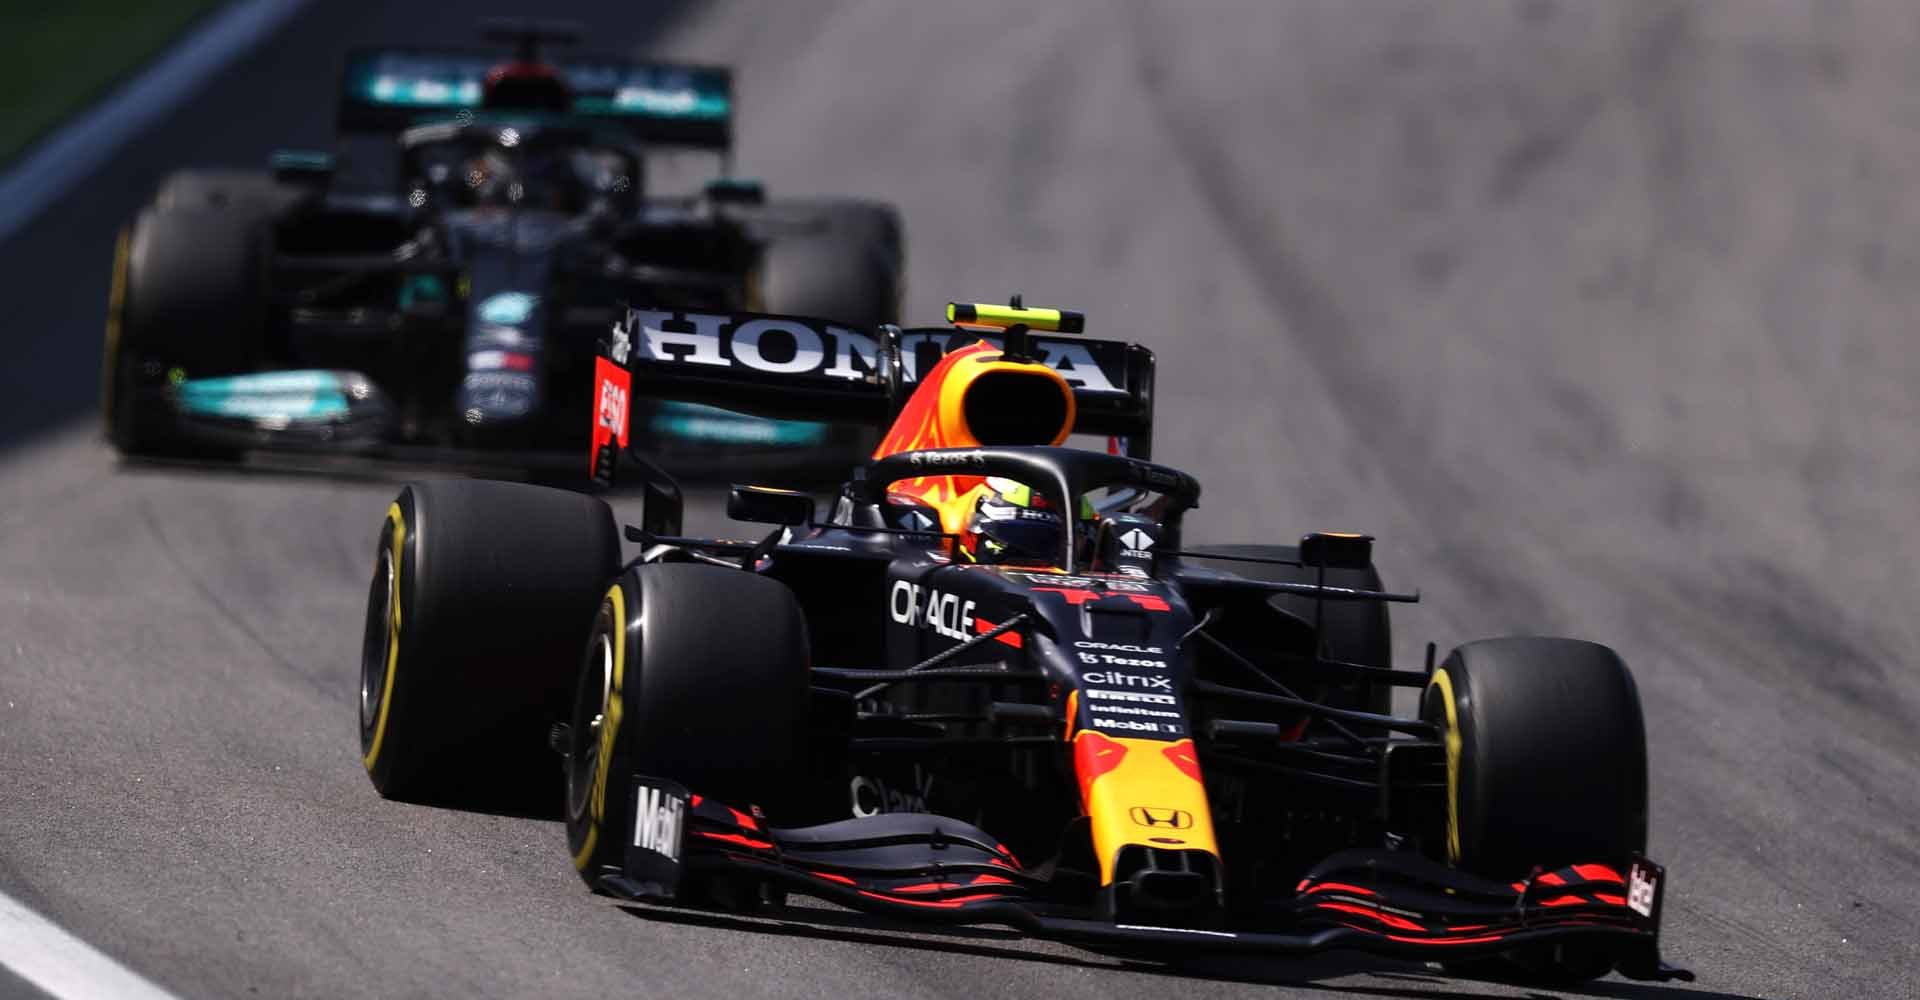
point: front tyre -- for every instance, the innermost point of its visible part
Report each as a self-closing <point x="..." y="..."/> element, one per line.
<point x="480" y="595"/>
<point x="693" y="673"/>
<point x="188" y="297"/>
<point x="1546" y="766"/>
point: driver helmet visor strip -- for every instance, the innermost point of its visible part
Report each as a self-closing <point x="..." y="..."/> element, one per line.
<point x="1012" y="523"/>
<point x="991" y="503"/>
<point x="499" y="174"/>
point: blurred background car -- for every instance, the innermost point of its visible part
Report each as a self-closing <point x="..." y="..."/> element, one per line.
<point x="455" y="308"/>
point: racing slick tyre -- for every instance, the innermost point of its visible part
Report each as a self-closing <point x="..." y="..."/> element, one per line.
<point x="693" y="673"/>
<point x="188" y="295"/>
<point x="1356" y="631"/>
<point x="482" y="593"/>
<point x="203" y="189"/>
<point x="850" y="267"/>
<point x="1546" y="766"/>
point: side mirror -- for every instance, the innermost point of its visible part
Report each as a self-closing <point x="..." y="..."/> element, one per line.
<point x="1336" y="550"/>
<point x="766" y="505"/>
<point x="1125" y="542"/>
<point x="736" y="191"/>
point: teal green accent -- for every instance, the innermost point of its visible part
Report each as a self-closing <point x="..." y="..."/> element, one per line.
<point x="404" y="80"/>
<point x="422" y="288"/>
<point x="507" y="308"/>
<point x="292" y="395"/>
<point x="654" y="102"/>
<point x="300" y="159"/>
<point x="694" y="422"/>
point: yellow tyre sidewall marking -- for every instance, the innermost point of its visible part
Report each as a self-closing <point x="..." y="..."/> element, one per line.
<point x="397" y="532"/>
<point x="1454" y="750"/>
<point x="609" y="729"/>
<point x="116" y="303"/>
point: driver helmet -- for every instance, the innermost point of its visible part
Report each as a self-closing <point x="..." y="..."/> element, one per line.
<point x="1013" y="525"/>
<point x="491" y="179"/>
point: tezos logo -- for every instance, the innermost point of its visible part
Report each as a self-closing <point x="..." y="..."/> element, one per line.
<point x="964" y="458"/>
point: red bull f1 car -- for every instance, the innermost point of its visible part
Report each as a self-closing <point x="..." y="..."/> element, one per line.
<point x="992" y="683"/>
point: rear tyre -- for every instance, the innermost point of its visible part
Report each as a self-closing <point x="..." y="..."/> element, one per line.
<point x="189" y="295"/>
<point x="203" y="189"/>
<point x="693" y="673"/>
<point x="481" y="595"/>
<point x="849" y="267"/>
<point x="1353" y="631"/>
<point x="1546" y="766"/>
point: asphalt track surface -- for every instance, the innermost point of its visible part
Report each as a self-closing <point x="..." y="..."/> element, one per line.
<point x="1599" y="315"/>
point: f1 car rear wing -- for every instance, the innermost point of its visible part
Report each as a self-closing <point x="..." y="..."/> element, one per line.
<point x="389" y="89"/>
<point x="805" y="368"/>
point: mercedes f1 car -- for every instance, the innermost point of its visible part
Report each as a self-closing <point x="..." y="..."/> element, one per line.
<point x="994" y="684"/>
<point x="457" y="308"/>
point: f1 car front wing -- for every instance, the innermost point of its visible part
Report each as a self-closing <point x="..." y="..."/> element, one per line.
<point x="926" y="867"/>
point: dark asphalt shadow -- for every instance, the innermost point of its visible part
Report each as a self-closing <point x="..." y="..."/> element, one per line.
<point x="1393" y="978"/>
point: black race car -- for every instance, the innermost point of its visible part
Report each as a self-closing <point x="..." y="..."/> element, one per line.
<point x="993" y="684"/>
<point x="447" y="294"/>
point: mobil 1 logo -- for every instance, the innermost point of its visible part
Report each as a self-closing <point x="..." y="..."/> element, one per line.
<point x="652" y="860"/>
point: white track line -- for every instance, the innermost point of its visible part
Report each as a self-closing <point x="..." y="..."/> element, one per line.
<point x="31" y="947"/>
<point x="63" y="965"/>
<point x="77" y="148"/>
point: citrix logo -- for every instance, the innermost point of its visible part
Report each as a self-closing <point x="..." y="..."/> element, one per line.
<point x="1129" y="681"/>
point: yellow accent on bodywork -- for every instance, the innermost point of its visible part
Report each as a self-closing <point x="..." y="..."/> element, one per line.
<point x="396" y="548"/>
<point x="1145" y="778"/>
<point x="1445" y="684"/>
<point x="116" y="303"/>
<point x="609" y="728"/>
<point x="986" y="315"/>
